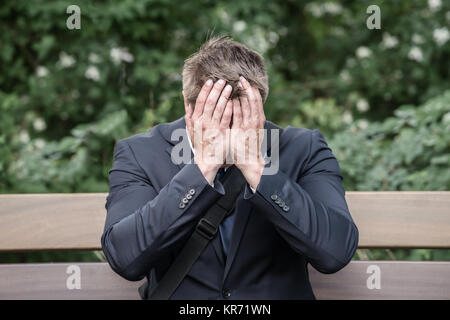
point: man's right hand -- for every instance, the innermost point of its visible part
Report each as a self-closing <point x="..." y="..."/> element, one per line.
<point x="207" y="126"/>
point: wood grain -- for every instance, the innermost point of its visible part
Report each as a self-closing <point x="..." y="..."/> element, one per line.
<point x="399" y="280"/>
<point x="51" y="221"/>
<point x="76" y="221"/>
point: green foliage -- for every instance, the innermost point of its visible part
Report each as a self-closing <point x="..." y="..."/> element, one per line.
<point x="409" y="151"/>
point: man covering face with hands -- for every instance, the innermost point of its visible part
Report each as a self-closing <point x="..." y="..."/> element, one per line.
<point x="210" y="123"/>
<point x="219" y="226"/>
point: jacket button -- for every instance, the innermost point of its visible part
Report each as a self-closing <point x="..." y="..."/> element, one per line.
<point x="286" y="208"/>
<point x="281" y="204"/>
<point x="226" y="293"/>
<point x="182" y="205"/>
<point x="274" y="197"/>
<point x="192" y="192"/>
<point x="188" y="196"/>
<point x="185" y="200"/>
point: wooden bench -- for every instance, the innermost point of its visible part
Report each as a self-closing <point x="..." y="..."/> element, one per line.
<point x="75" y="221"/>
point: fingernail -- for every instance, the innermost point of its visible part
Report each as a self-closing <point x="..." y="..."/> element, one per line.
<point x="242" y="79"/>
<point x="221" y="82"/>
<point x="228" y="87"/>
<point x="239" y="85"/>
<point x="209" y="82"/>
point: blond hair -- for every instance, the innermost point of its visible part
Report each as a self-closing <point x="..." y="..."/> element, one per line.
<point x="223" y="58"/>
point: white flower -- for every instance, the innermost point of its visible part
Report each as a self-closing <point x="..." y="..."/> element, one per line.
<point x="441" y="36"/>
<point x="92" y="73"/>
<point x="24" y="137"/>
<point x="389" y="41"/>
<point x="224" y="16"/>
<point x="39" y="124"/>
<point x="332" y="8"/>
<point x="39" y="143"/>
<point x="66" y="60"/>
<point x="318" y="10"/>
<point x="434" y="5"/>
<point x="363" y="52"/>
<point x="175" y="76"/>
<point x="121" y="54"/>
<point x="94" y="58"/>
<point x="239" y="26"/>
<point x="417" y="38"/>
<point x="41" y="71"/>
<point x="315" y="9"/>
<point x="273" y="37"/>
<point x="446" y="118"/>
<point x="362" y="105"/>
<point x="415" y="54"/>
<point x="345" y="76"/>
<point x="347" y="117"/>
<point x="363" y="124"/>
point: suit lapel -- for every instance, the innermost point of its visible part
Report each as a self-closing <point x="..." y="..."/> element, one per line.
<point x="167" y="131"/>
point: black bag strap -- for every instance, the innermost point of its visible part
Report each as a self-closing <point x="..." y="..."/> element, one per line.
<point x="206" y="229"/>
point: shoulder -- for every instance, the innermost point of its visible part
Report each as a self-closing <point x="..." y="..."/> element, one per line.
<point x="304" y="137"/>
<point x="154" y="136"/>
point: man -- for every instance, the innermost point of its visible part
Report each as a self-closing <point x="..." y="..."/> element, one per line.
<point x="281" y="221"/>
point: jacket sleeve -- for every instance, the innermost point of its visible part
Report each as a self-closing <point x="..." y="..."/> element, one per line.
<point x="310" y="212"/>
<point x="144" y="227"/>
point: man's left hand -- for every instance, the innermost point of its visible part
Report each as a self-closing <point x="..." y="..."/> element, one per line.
<point x="247" y="134"/>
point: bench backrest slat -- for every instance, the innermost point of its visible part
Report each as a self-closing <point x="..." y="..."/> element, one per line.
<point x="75" y="221"/>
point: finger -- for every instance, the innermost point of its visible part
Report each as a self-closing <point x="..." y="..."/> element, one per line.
<point x="221" y="104"/>
<point x="201" y="98"/>
<point x="257" y="95"/>
<point x="213" y="96"/>
<point x="252" y="101"/>
<point x="226" y="117"/>
<point x="237" y="113"/>
<point x="245" y="108"/>
<point x="260" y="107"/>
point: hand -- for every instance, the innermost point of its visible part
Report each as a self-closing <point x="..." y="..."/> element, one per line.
<point x="247" y="134"/>
<point x="208" y="126"/>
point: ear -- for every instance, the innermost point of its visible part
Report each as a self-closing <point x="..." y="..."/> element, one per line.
<point x="185" y="102"/>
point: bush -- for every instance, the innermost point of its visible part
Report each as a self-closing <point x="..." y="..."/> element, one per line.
<point x="409" y="151"/>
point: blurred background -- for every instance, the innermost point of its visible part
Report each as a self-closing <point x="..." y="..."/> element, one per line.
<point x="380" y="97"/>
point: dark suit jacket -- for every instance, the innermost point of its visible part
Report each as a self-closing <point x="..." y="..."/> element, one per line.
<point x="270" y="246"/>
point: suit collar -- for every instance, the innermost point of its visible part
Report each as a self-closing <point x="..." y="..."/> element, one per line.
<point x="167" y="129"/>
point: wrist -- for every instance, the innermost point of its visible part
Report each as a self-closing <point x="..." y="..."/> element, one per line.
<point x="209" y="171"/>
<point x="253" y="175"/>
